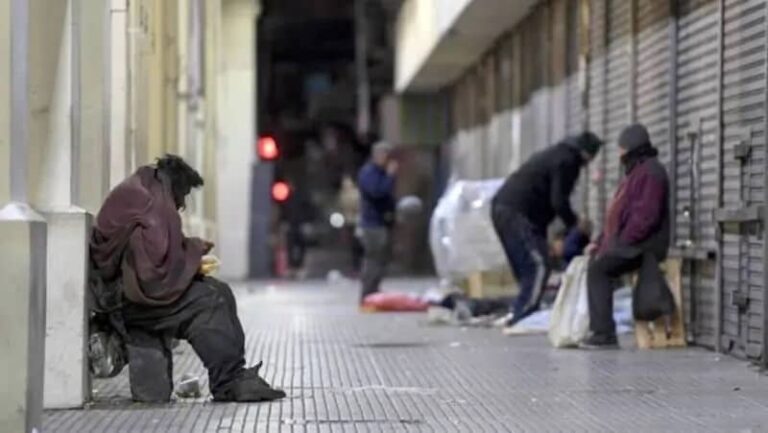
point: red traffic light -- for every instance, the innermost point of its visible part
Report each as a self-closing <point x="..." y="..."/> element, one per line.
<point x="281" y="191"/>
<point x="267" y="149"/>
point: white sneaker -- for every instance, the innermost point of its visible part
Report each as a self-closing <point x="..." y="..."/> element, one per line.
<point x="503" y="321"/>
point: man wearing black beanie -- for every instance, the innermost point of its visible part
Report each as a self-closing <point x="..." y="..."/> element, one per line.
<point x="527" y="203"/>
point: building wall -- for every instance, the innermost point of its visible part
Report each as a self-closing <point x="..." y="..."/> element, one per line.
<point x="694" y="72"/>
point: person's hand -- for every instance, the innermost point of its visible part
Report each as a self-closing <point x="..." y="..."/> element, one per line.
<point x="584" y="226"/>
<point x="392" y="167"/>
<point x="590" y="249"/>
<point x="208" y="265"/>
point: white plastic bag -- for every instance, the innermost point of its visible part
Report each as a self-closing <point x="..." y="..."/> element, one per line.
<point x="462" y="237"/>
<point x="570" y="316"/>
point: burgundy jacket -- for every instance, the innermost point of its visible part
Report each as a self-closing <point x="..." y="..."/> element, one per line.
<point x="638" y="219"/>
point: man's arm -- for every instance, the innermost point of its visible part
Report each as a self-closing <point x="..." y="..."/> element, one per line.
<point x="563" y="181"/>
<point x="376" y="185"/>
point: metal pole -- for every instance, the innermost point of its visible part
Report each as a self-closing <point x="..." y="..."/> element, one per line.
<point x="764" y="360"/>
<point x="672" y="29"/>
<point x="632" y="54"/>
<point x="361" y="65"/>
<point x="19" y="99"/>
<point x="718" y="204"/>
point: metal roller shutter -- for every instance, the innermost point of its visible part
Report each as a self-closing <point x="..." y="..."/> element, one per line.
<point x="529" y="75"/>
<point x="597" y="100"/>
<point x="574" y="117"/>
<point x="559" y="69"/>
<point x="575" y="111"/>
<point x="652" y="74"/>
<point x="618" y="77"/>
<point x="696" y="162"/>
<point x="743" y="116"/>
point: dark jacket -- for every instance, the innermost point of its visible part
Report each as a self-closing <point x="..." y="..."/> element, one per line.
<point x="377" y="200"/>
<point x="541" y="188"/>
<point x="638" y="219"/>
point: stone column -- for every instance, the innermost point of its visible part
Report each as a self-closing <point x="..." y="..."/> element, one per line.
<point x="237" y="135"/>
<point x="77" y="190"/>
<point x="22" y="232"/>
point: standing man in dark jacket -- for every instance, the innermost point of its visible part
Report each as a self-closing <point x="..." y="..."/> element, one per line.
<point x="637" y="223"/>
<point x="527" y="203"/>
<point x="376" y="182"/>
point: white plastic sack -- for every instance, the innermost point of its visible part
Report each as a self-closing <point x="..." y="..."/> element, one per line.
<point x="569" y="324"/>
<point x="462" y="237"/>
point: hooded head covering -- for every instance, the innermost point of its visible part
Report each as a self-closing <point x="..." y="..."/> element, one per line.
<point x="137" y="238"/>
<point x="589" y="143"/>
<point x="633" y="137"/>
<point x="636" y="141"/>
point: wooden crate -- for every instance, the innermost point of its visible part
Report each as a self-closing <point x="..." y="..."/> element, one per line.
<point x="668" y="331"/>
<point x="490" y="284"/>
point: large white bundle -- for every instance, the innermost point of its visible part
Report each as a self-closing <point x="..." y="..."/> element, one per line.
<point x="462" y="236"/>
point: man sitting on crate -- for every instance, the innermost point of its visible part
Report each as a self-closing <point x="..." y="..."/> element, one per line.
<point x="637" y="226"/>
<point x="524" y="207"/>
<point x="147" y="277"/>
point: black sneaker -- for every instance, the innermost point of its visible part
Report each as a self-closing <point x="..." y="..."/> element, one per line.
<point x="600" y="342"/>
<point x="250" y="387"/>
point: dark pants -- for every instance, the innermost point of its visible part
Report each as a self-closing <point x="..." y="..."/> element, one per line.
<point x="296" y="247"/>
<point x="206" y="316"/>
<point x="526" y="250"/>
<point x="375" y="243"/>
<point x="357" y="254"/>
<point x="603" y="276"/>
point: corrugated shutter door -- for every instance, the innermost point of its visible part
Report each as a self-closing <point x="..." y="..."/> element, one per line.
<point x="574" y="117"/>
<point x="529" y="72"/>
<point x="696" y="114"/>
<point x="618" y="78"/>
<point x="597" y="89"/>
<point x="558" y="13"/>
<point x="744" y="79"/>
<point x="575" y="111"/>
<point x="652" y="60"/>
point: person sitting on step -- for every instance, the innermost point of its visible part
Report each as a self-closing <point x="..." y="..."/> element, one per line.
<point x="141" y="258"/>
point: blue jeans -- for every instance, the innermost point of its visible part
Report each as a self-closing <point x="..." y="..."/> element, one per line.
<point x="526" y="249"/>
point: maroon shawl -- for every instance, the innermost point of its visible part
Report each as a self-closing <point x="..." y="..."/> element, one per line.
<point x="137" y="237"/>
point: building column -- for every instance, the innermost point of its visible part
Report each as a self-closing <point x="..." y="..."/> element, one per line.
<point x="22" y="230"/>
<point x="78" y="143"/>
<point x="237" y="135"/>
<point x="119" y="153"/>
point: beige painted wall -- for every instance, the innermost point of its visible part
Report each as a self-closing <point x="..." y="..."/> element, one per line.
<point x="5" y="103"/>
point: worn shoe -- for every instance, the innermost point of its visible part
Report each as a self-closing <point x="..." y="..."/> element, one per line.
<point x="600" y="342"/>
<point x="504" y="321"/>
<point x="250" y="387"/>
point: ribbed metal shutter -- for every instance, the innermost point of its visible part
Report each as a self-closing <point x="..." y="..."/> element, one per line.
<point x="558" y="17"/>
<point x="744" y="80"/>
<point x="618" y="76"/>
<point x="652" y="74"/>
<point x="574" y="116"/>
<point x="695" y="163"/>
<point x="529" y="75"/>
<point x="538" y="71"/>
<point x="597" y="101"/>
